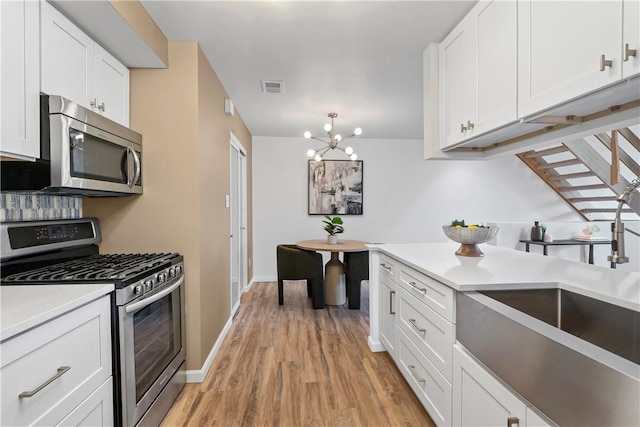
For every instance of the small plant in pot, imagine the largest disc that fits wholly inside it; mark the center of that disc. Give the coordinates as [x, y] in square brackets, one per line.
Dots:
[333, 226]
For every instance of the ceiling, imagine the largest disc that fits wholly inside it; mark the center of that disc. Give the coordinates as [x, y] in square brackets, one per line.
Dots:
[360, 59]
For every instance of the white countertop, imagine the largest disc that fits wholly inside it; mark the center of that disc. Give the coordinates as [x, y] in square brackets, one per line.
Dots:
[504, 268]
[24, 307]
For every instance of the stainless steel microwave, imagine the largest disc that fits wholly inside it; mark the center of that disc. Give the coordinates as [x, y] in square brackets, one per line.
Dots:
[81, 153]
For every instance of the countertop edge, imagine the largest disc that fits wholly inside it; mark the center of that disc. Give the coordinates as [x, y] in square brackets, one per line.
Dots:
[93, 292]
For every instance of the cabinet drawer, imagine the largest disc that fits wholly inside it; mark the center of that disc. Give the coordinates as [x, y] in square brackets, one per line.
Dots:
[429, 332]
[432, 293]
[79, 340]
[388, 267]
[96, 410]
[431, 388]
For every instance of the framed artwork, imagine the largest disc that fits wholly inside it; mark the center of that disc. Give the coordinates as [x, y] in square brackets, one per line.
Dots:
[335, 187]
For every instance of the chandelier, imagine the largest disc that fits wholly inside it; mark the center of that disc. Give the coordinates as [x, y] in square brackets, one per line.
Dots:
[334, 140]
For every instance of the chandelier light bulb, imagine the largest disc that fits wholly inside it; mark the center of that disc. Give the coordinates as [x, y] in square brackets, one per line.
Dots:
[332, 142]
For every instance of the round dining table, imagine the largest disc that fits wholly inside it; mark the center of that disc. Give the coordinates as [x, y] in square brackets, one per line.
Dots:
[335, 291]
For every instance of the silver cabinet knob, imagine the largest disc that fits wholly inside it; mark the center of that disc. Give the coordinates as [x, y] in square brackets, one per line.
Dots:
[629, 52]
[605, 62]
[470, 125]
[463, 128]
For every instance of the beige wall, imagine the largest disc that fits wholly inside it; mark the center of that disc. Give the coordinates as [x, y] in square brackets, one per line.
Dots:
[180, 113]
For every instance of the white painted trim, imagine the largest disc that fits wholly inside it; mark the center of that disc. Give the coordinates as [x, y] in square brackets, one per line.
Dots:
[263, 279]
[375, 346]
[198, 375]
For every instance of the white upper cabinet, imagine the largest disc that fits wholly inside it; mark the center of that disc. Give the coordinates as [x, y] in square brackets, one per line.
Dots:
[497, 64]
[631, 38]
[19, 55]
[76, 67]
[112, 87]
[478, 73]
[566, 49]
[457, 57]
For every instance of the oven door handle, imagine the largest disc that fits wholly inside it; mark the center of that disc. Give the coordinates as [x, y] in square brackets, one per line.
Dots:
[147, 301]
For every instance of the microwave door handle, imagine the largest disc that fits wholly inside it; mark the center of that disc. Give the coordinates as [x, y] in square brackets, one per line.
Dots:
[137, 167]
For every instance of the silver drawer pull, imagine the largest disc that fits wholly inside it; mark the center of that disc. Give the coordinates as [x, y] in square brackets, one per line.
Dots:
[391, 294]
[414, 286]
[385, 266]
[413, 322]
[61, 371]
[412, 369]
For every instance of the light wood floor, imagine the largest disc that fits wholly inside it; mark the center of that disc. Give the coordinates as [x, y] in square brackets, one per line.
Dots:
[291, 365]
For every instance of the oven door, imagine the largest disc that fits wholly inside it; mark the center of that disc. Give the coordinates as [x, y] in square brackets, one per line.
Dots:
[152, 348]
[86, 158]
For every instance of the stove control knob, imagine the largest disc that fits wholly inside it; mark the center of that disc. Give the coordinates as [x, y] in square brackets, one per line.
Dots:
[148, 285]
[162, 277]
[178, 270]
[172, 272]
[137, 290]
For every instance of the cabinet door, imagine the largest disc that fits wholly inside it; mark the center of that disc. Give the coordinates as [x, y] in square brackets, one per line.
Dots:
[112, 87]
[388, 308]
[20, 58]
[496, 38]
[631, 38]
[560, 47]
[67, 56]
[479, 399]
[457, 58]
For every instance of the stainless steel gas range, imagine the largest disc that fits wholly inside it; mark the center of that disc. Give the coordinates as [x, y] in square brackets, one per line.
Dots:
[148, 327]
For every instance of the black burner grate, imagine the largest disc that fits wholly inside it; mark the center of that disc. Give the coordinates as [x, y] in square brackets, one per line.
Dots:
[95, 268]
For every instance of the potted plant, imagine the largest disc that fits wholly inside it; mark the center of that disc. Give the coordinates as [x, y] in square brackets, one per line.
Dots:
[333, 226]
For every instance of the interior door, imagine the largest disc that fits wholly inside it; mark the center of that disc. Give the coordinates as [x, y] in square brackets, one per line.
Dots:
[237, 212]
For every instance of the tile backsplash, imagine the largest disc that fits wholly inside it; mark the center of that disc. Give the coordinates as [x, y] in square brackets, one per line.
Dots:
[35, 207]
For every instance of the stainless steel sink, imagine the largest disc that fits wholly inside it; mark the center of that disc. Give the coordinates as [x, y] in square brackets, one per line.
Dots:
[613, 328]
[575, 358]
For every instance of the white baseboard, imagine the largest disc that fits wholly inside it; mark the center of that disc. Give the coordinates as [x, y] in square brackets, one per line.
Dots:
[198, 375]
[262, 279]
[375, 346]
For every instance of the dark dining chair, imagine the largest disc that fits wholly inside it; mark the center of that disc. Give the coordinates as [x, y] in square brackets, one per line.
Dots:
[300, 264]
[356, 269]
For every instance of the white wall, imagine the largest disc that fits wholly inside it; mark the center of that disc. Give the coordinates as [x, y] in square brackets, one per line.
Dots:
[405, 198]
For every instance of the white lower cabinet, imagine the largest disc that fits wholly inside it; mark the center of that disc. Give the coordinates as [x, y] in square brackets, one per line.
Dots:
[60, 371]
[417, 327]
[388, 304]
[479, 399]
[430, 386]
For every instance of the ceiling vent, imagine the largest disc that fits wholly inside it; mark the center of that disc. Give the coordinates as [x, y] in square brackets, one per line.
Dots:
[272, 86]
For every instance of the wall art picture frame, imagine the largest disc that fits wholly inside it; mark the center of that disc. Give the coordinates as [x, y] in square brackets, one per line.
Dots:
[335, 187]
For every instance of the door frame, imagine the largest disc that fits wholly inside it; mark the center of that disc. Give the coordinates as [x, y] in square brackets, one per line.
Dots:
[235, 144]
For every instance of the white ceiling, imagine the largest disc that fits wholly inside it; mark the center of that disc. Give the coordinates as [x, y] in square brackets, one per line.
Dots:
[360, 59]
